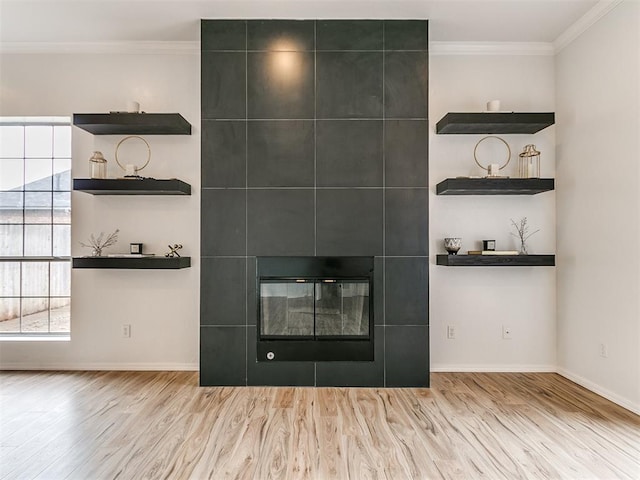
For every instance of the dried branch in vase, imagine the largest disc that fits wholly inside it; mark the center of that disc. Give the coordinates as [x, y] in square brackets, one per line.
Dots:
[523, 234]
[98, 244]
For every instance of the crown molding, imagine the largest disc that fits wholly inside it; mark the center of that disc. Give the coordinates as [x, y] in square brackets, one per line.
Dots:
[491, 48]
[121, 48]
[584, 23]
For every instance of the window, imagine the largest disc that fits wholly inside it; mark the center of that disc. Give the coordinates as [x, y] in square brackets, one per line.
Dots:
[35, 226]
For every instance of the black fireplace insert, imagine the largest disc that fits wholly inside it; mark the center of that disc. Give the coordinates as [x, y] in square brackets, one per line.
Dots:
[315, 308]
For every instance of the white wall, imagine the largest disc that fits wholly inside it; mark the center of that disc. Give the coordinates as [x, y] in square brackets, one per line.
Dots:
[478, 301]
[598, 181]
[161, 306]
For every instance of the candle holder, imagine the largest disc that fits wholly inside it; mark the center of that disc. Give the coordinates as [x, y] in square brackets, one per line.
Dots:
[98, 165]
[529, 162]
[493, 169]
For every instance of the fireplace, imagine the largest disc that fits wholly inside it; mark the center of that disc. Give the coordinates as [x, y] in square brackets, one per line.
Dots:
[315, 309]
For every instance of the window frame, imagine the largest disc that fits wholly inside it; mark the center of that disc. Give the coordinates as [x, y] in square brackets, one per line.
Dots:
[56, 203]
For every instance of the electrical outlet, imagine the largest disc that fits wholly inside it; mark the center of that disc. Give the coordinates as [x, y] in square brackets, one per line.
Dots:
[604, 350]
[506, 333]
[126, 330]
[451, 332]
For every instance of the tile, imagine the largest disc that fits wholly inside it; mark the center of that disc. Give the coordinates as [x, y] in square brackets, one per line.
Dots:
[224, 153]
[280, 35]
[406, 87]
[223, 291]
[280, 222]
[407, 356]
[223, 35]
[349, 85]
[223, 222]
[223, 85]
[407, 291]
[354, 374]
[252, 299]
[298, 374]
[280, 85]
[349, 153]
[406, 221]
[349, 222]
[223, 356]
[280, 153]
[406, 35]
[378, 291]
[406, 154]
[349, 34]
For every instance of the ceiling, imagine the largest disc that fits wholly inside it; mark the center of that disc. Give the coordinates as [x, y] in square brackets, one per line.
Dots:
[53, 21]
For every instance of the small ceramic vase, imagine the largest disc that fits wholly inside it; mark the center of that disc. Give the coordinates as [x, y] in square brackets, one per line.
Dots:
[452, 245]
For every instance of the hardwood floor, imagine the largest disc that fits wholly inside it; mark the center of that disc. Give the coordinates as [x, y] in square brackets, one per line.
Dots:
[136, 425]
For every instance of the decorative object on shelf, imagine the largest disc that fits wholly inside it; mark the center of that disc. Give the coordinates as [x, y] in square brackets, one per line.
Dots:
[133, 106]
[130, 169]
[98, 165]
[493, 170]
[100, 243]
[173, 250]
[488, 245]
[493, 106]
[452, 245]
[523, 234]
[529, 163]
[135, 248]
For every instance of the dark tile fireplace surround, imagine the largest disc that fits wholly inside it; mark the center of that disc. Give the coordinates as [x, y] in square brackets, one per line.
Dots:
[314, 144]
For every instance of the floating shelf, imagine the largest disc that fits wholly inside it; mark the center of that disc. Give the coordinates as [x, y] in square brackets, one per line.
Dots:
[156, 263]
[494, 123]
[132, 123]
[494, 186]
[131, 186]
[496, 260]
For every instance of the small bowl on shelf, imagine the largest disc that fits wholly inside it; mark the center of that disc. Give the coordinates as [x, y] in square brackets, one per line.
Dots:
[452, 245]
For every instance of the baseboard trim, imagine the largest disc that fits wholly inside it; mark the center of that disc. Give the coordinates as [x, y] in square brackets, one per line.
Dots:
[603, 392]
[442, 368]
[189, 367]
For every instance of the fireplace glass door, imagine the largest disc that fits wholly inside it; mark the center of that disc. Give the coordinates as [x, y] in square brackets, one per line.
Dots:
[314, 308]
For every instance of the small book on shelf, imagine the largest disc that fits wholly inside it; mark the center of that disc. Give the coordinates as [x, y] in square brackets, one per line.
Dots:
[493, 252]
[131, 255]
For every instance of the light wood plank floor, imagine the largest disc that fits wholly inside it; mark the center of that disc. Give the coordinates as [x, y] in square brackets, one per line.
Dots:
[136, 425]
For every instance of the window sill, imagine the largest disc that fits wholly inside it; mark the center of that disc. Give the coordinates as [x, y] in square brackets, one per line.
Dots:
[35, 338]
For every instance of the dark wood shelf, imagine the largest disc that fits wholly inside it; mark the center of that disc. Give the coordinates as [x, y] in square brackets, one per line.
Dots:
[494, 186]
[494, 123]
[132, 123]
[496, 260]
[144, 263]
[131, 186]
